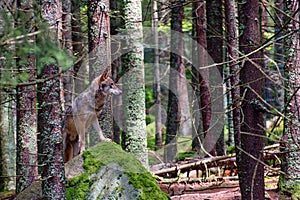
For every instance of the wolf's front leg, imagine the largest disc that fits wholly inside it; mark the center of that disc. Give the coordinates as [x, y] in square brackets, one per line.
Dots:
[96, 126]
[80, 127]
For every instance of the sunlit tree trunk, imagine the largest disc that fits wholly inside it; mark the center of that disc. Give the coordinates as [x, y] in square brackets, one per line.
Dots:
[289, 181]
[50, 144]
[7, 141]
[251, 170]
[134, 134]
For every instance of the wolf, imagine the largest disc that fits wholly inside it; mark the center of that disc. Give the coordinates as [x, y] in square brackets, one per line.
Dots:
[83, 113]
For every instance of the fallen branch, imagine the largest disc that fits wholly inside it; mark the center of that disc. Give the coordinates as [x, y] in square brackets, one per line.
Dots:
[206, 163]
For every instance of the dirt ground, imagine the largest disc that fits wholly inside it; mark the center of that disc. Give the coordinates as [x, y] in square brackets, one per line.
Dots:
[226, 190]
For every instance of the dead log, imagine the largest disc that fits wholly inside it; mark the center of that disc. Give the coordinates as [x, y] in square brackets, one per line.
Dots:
[206, 163]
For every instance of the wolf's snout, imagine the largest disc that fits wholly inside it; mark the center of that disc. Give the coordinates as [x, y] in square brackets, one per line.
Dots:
[115, 91]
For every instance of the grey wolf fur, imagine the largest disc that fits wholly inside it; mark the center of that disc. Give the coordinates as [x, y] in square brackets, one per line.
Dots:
[83, 113]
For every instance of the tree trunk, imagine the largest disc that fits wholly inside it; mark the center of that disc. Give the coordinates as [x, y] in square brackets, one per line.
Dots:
[68, 81]
[157, 92]
[7, 141]
[251, 171]
[116, 66]
[232, 46]
[79, 69]
[26, 164]
[99, 56]
[135, 134]
[215, 49]
[173, 110]
[7, 105]
[197, 120]
[205, 98]
[49, 114]
[289, 181]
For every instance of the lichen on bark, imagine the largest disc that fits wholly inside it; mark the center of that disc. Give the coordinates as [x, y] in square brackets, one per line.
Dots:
[135, 136]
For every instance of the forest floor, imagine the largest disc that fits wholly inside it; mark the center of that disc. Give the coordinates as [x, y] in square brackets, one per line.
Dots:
[221, 190]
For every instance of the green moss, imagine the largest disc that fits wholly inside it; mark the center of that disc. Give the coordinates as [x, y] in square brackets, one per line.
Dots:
[104, 154]
[150, 189]
[78, 186]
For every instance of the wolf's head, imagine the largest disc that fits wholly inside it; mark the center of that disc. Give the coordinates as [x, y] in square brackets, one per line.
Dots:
[107, 85]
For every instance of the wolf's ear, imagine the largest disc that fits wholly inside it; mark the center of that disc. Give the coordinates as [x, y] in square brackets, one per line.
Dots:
[104, 75]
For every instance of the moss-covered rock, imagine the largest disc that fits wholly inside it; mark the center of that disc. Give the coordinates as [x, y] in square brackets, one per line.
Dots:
[111, 173]
[104, 172]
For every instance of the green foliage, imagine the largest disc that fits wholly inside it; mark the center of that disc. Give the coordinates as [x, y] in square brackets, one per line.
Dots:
[16, 44]
[48, 52]
[230, 150]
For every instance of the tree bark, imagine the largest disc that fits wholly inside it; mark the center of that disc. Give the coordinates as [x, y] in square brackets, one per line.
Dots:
[79, 69]
[215, 49]
[135, 135]
[99, 56]
[116, 66]
[49, 114]
[173, 109]
[289, 181]
[232, 46]
[205, 98]
[68, 81]
[26, 160]
[157, 92]
[251, 171]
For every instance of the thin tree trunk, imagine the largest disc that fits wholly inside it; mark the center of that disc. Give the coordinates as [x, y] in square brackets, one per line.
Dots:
[215, 49]
[289, 181]
[251, 171]
[49, 114]
[197, 120]
[116, 66]
[79, 69]
[173, 110]
[68, 80]
[205, 98]
[232, 46]
[157, 93]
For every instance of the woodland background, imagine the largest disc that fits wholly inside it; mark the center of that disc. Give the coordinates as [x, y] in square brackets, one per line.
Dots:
[199, 79]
